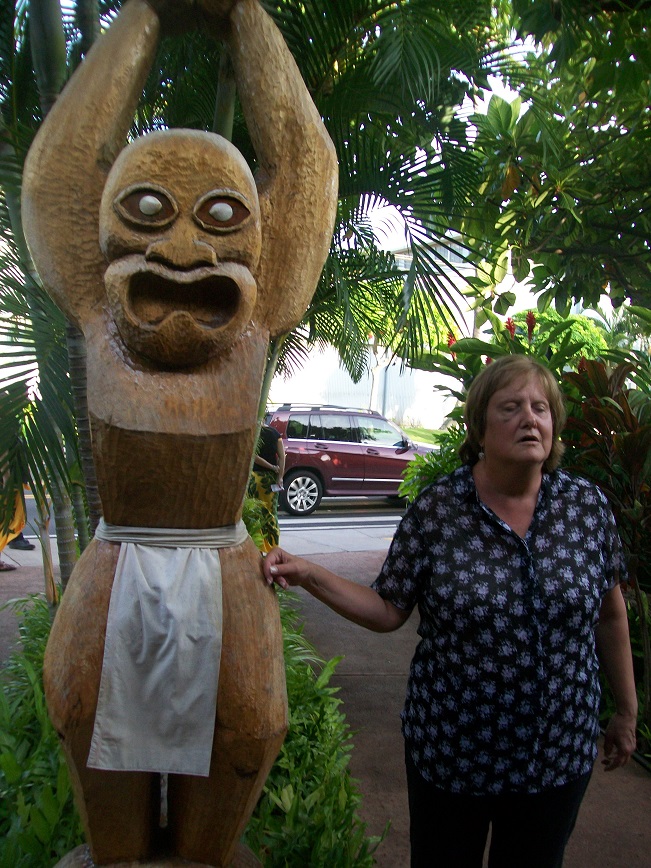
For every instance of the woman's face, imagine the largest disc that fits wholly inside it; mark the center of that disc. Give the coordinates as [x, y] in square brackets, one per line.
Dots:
[519, 425]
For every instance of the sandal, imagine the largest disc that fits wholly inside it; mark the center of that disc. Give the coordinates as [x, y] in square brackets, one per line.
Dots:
[5, 567]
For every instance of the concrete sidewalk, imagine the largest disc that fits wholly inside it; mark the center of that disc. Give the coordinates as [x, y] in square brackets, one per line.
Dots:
[614, 826]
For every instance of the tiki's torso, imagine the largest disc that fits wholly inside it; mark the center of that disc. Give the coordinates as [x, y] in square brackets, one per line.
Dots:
[173, 449]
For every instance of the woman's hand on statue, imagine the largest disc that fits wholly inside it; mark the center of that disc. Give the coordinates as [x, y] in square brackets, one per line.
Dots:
[284, 569]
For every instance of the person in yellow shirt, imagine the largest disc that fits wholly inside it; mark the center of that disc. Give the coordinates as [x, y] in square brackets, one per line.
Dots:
[14, 530]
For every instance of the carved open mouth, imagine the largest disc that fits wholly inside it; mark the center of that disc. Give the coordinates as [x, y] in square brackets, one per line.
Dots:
[212, 300]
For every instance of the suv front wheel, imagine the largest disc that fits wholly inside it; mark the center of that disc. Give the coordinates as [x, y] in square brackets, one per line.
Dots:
[303, 492]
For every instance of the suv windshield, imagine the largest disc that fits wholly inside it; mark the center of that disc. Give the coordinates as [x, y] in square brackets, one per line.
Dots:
[379, 431]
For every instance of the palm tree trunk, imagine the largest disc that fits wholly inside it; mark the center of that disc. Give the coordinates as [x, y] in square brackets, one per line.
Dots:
[81, 522]
[77, 361]
[88, 23]
[272, 361]
[48, 50]
[65, 531]
[225, 100]
[79, 506]
[43, 525]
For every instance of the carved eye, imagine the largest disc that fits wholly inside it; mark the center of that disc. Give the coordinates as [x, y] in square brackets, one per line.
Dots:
[220, 211]
[146, 206]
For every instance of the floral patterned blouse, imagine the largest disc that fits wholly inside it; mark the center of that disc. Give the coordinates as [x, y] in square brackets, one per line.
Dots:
[503, 691]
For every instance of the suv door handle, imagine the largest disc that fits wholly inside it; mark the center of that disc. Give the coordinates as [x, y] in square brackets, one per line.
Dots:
[370, 451]
[321, 446]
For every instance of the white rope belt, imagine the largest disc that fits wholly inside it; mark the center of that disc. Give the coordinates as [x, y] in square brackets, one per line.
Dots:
[157, 700]
[175, 537]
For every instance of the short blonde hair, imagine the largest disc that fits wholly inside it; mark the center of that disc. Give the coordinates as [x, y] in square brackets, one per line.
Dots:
[495, 376]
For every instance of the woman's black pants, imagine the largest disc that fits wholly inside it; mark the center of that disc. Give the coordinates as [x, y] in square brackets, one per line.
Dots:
[528, 830]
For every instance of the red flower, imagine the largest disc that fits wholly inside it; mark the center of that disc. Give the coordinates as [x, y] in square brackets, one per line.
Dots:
[451, 342]
[489, 361]
[531, 322]
[510, 327]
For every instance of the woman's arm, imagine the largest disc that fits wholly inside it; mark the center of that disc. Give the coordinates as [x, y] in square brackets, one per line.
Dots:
[258, 461]
[280, 451]
[357, 603]
[614, 650]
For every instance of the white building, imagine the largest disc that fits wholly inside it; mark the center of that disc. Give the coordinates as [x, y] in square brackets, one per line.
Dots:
[408, 397]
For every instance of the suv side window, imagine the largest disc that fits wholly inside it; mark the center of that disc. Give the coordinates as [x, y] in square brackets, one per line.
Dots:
[315, 432]
[323, 426]
[378, 432]
[297, 426]
[337, 427]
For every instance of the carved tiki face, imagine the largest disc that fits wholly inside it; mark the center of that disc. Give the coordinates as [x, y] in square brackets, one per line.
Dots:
[180, 228]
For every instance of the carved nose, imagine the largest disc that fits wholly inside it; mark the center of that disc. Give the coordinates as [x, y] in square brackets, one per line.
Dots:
[182, 252]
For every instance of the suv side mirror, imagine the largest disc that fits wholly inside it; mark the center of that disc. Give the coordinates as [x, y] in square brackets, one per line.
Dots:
[403, 445]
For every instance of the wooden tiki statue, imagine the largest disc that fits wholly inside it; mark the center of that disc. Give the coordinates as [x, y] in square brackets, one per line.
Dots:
[178, 265]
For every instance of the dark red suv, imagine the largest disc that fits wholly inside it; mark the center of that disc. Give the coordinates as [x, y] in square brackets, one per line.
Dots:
[336, 451]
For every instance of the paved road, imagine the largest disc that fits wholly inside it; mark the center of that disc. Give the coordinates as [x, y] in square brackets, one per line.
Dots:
[340, 524]
[342, 533]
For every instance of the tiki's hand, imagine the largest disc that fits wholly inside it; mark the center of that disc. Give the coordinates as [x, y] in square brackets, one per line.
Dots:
[176, 16]
[179, 16]
[215, 13]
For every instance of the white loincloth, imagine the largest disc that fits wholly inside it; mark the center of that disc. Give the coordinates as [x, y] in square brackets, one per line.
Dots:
[158, 691]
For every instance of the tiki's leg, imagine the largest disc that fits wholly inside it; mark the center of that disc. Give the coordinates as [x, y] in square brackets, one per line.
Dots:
[208, 815]
[118, 809]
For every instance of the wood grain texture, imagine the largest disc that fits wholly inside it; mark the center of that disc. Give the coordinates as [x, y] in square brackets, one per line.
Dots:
[178, 265]
[206, 815]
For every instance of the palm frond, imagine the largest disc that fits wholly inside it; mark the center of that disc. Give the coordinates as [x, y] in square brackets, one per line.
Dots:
[36, 412]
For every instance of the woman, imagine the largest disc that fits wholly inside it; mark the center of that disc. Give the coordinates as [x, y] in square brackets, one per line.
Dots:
[267, 480]
[514, 566]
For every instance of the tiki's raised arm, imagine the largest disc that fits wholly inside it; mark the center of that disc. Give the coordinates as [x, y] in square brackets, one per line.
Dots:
[70, 158]
[297, 178]
[79, 141]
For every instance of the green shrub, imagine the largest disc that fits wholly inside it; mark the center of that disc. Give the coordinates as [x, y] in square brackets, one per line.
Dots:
[425, 469]
[254, 516]
[38, 822]
[609, 435]
[307, 814]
